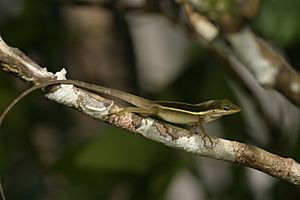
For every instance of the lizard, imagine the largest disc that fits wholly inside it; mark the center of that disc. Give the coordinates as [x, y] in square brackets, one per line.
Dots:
[170, 111]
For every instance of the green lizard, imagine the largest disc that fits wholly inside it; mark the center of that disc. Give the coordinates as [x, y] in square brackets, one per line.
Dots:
[170, 111]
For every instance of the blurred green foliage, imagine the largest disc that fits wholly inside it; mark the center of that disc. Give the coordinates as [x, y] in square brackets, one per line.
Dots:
[118, 159]
[278, 21]
[101, 155]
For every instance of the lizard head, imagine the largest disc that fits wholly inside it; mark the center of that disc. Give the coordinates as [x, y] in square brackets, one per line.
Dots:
[215, 109]
[222, 107]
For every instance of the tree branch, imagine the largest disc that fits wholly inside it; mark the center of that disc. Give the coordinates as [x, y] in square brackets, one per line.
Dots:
[15, 62]
[235, 41]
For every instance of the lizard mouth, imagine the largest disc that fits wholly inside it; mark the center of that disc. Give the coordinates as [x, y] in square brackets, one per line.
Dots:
[234, 111]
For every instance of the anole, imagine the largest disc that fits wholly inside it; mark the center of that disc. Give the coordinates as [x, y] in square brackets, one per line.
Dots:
[170, 111]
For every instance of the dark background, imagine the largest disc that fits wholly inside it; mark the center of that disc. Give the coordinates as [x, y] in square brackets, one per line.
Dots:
[51, 152]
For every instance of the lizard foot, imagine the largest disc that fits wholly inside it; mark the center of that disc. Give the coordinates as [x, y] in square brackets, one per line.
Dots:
[205, 137]
[213, 141]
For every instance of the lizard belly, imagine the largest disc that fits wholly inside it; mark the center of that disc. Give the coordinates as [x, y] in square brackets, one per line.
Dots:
[178, 117]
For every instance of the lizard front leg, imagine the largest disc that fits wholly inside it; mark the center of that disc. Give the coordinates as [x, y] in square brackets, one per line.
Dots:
[199, 128]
